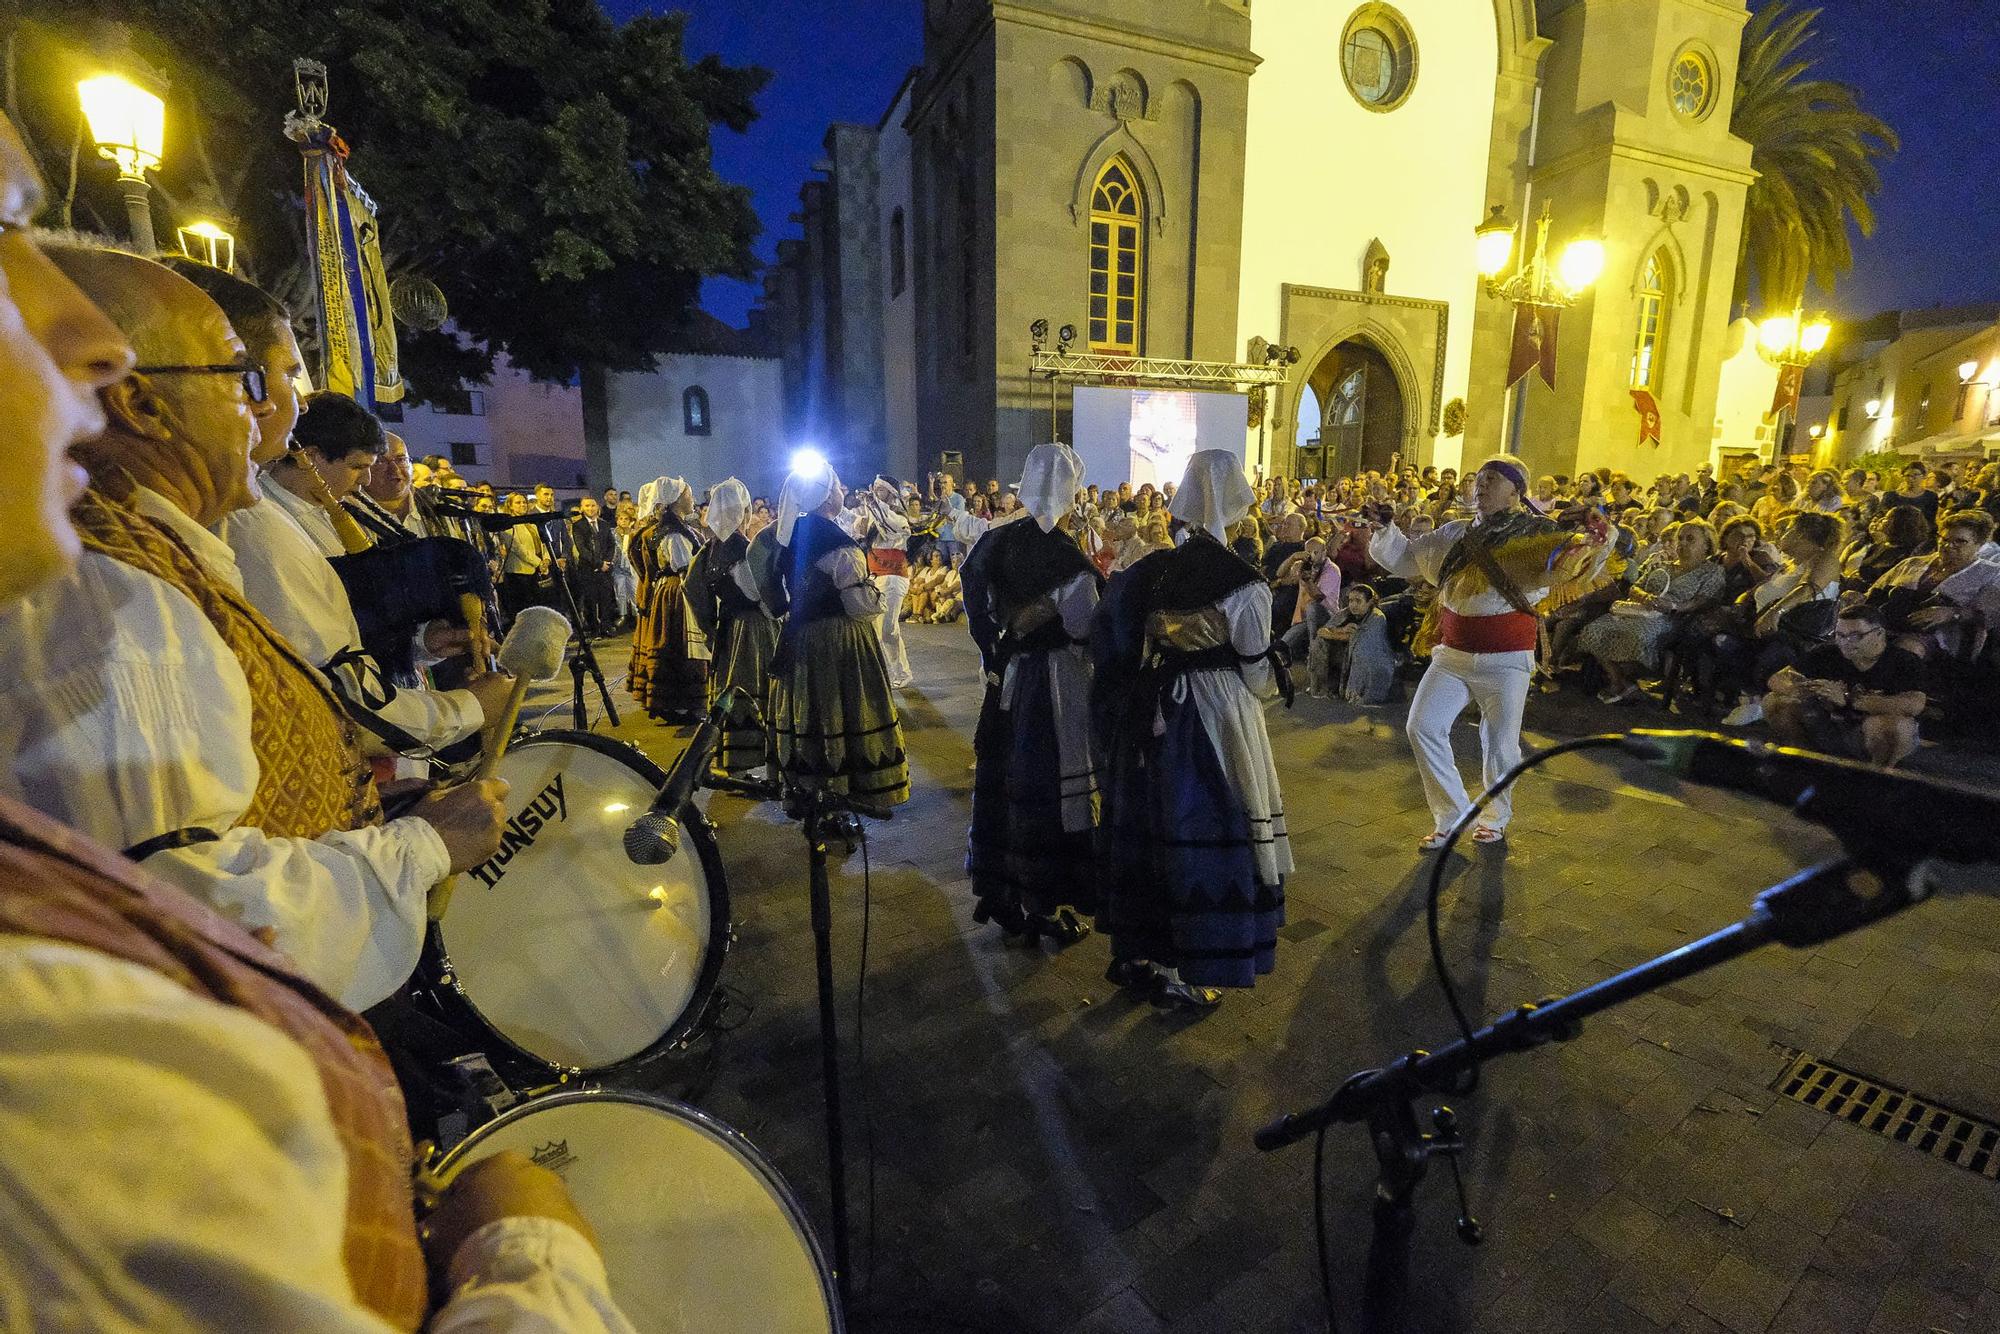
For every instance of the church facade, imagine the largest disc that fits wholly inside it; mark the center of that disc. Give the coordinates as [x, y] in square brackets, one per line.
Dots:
[1205, 178]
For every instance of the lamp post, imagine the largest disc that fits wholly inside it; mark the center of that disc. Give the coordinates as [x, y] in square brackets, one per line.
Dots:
[1534, 284]
[1790, 342]
[128, 125]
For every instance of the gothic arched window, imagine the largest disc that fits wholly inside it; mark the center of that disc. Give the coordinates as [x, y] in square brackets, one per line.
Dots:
[1117, 259]
[1656, 297]
[694, 411]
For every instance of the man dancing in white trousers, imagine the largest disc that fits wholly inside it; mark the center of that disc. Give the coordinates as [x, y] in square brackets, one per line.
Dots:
[1491, 573]
[889, 563]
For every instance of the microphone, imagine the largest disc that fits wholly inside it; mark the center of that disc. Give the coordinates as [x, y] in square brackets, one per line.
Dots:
[656, 835]
[1858, 802]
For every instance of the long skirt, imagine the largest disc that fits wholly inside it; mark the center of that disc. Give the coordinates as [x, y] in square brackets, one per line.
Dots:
[1195, 852]
[833, 720]
[744, 650]
[669, 674]
[1034, 793]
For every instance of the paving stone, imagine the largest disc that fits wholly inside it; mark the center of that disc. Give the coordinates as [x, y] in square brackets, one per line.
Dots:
[1052, 1157]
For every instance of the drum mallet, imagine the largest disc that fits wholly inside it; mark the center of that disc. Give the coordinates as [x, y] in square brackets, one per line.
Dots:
[532, 651]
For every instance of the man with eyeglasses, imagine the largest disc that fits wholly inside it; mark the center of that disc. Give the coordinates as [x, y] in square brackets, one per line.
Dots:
[1858, 698]
[145, 702]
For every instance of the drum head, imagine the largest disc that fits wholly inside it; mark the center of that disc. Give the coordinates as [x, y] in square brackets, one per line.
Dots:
[699, 1233]
[559, 942]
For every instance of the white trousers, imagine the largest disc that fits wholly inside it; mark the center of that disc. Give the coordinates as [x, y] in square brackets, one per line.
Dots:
[1498, 684]
[889, 627]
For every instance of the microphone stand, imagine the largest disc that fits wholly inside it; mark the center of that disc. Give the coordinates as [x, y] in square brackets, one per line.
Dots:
[824, 814]
[1863, 886]
[582, 658]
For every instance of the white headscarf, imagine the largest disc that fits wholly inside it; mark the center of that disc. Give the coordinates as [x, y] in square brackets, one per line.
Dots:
[728, 502]
[649, 496]
[1214, 493]
[803, 493]
[1050, 480]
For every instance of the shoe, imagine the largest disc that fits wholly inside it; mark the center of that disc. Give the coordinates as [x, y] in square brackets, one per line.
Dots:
[1488, 834]
[1173, 994]
[1625, 696]
[1132, 975]
[1013, 923]
[1748, 712]
[1063, 926]
[1432, 841]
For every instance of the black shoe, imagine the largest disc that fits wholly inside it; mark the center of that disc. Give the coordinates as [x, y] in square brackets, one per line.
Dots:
[1014, 923]
[1062, 926]
[1182, 995]
[1135, 975]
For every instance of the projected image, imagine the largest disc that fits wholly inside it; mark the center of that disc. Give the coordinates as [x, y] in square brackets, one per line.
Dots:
[1163, 435]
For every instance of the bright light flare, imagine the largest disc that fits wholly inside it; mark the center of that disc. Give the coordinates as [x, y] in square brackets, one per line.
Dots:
[1582, 262]
[127, 123]
[808, 462]
[1777, 333]
[1815, 336]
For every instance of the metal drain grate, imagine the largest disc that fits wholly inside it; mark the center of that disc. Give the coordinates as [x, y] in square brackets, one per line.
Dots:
[1892, 1113]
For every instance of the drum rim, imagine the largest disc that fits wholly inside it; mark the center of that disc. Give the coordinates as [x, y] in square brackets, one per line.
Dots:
[766, 1170]
[696, 829]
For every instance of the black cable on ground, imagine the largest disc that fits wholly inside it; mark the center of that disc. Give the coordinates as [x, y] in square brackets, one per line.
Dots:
[1599, 741]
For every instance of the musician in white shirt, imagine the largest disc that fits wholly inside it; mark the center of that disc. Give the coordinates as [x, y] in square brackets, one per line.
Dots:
[168, 1161]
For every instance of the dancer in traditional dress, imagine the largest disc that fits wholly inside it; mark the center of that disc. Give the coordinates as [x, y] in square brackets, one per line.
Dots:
[833, 719]
[1030, 595]
[1195, 853]
[1491, 573]
[669, 671]
[887, 535]
[724, 599]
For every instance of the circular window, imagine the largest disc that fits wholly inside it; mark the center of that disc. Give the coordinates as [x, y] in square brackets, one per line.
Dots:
[1378, 57]
[1691, 84]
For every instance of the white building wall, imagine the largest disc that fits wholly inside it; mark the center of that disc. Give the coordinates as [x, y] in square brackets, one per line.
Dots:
[1323, 175]
[746, 423]
[1743, 392]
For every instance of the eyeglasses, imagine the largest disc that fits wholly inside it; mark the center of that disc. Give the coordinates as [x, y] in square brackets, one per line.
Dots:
[255, 386]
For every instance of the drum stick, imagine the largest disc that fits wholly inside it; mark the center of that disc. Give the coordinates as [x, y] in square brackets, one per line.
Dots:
[533, 651]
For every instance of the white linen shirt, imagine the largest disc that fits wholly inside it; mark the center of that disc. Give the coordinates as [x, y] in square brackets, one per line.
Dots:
[286, 577]
[168, 1164]
[124, 715]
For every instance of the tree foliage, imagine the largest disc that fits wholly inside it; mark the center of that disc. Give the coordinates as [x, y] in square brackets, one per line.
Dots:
[1817, 155]
[547, 168]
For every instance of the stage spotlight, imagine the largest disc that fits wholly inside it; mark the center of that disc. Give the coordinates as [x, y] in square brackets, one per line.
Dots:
[1066, 334]
[808, 462]
[1038, 330]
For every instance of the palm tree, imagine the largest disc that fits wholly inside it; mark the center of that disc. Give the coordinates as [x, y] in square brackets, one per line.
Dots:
[1816, 153]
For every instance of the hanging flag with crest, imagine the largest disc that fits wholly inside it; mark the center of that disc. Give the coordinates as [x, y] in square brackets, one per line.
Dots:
[357, 334]
[1648, 409]
[1791, 380]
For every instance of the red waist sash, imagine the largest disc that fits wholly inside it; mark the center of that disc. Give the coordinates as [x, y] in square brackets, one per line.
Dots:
[888, 561]
[1509, 632]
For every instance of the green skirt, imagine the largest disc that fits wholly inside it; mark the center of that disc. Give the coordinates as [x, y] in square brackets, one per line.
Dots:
[833, 719]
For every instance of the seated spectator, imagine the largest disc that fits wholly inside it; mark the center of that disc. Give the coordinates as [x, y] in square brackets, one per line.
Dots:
[1633, 636]
[1896, 535]
[1944, 605]
[1786, 616]
[1914, 494]
[948, 602]
[1317, 581]
[1781, 497]
[1858, 697]
[1145, 538]
[1359, 637]
[918, 601]
[1823, 494]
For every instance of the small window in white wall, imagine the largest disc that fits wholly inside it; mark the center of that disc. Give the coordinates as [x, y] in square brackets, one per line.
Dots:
[694, 411]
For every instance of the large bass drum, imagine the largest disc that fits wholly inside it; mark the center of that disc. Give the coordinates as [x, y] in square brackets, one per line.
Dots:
[700, 1234]
[562, 947]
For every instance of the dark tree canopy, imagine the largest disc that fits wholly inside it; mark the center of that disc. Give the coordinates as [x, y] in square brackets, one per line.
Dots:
[545, 167]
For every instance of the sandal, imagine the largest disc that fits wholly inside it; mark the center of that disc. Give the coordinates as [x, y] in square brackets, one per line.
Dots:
[1488, 834]
[1432, 841]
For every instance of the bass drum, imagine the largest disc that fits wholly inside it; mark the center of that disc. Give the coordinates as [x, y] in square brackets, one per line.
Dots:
[700, 1234]
[561, 946]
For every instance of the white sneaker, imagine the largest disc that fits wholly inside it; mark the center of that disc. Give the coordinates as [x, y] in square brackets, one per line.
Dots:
[1748, 712]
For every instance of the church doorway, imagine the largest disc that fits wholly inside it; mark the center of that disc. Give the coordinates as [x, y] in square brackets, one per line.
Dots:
[1360, 407]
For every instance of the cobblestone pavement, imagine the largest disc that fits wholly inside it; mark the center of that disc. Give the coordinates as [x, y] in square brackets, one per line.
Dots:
[1049, 1156]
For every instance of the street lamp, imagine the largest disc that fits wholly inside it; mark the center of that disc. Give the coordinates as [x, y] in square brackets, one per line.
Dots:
[210, 244]
[1790, 342]
[1966, 384]
[128, 124]
[1536, 288]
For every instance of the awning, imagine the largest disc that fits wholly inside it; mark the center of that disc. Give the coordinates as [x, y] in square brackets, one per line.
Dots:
[1978, 443]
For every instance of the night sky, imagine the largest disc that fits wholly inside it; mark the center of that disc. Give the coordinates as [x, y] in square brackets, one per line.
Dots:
[1931, 68]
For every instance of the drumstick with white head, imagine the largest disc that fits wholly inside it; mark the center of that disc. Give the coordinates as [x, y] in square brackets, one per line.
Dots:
[532, 651]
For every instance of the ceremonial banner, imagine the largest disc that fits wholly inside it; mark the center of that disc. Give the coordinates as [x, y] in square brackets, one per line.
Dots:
[357, 333]
[1648, 409]
[1534, 343]
[1791, 379]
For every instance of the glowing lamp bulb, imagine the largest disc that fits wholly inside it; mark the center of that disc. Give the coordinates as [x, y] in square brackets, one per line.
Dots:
[1581, 262]
[1493, 242]
[1815, 335]
[127, 123]
[808, 462]
[1777, 333]
[1966, 370]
